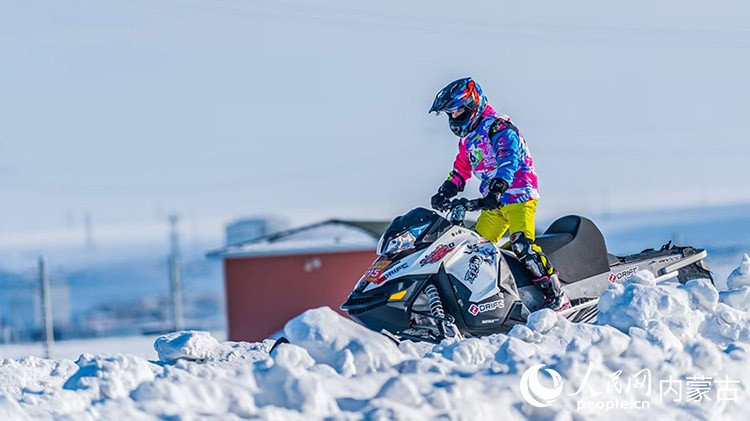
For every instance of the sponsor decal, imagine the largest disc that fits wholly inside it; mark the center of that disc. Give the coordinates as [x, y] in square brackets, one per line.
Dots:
[394, 271]
[437, 254]
[670, 259]
[488, 253]
[475, 309]
[473, 272]
[488, 321]
[373, 274]
[622, 275]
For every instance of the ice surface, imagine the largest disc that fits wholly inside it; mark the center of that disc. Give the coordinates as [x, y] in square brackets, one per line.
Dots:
[335, 368]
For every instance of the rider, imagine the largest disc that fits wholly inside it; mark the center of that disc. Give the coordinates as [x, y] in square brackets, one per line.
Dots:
[491, 147]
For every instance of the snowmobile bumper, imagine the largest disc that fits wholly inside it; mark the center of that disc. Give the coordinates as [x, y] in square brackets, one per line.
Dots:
[386, 307]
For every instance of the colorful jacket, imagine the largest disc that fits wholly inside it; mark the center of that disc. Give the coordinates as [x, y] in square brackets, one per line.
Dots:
[496, 149]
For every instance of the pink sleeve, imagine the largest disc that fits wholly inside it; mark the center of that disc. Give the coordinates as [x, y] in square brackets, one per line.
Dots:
[461, 167]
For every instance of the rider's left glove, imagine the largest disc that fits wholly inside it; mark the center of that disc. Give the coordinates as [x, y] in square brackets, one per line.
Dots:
[498, 185]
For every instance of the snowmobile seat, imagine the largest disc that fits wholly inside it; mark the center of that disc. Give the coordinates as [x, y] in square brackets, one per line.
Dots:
[576, 248]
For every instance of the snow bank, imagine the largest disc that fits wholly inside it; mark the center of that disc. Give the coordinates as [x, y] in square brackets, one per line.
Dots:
[335, 368]
[741, 276]
[189, 345]
[109, 376]
[341, 343]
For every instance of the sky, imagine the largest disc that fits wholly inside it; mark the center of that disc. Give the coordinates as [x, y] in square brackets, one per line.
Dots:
[217, 109]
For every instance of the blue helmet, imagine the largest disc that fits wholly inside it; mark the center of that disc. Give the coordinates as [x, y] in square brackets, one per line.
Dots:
[462, 93]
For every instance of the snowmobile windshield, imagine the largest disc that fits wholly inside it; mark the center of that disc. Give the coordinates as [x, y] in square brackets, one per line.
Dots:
[411, 232]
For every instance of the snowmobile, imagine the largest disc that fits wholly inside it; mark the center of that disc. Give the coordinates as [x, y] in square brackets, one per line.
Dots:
[434, 278]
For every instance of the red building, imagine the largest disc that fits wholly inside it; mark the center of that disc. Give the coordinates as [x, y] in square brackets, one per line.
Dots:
[273, 279]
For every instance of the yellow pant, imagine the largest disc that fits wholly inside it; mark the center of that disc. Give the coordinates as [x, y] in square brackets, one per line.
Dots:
[519, 217]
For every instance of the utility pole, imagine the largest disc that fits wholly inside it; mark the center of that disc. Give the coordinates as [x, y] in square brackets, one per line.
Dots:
[49, 337]
[88, 230]
[174, 274]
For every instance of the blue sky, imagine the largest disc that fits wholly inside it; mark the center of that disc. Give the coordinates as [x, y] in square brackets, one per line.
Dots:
[217, 109]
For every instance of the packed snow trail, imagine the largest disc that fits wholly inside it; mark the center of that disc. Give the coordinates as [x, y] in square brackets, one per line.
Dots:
[648, 339]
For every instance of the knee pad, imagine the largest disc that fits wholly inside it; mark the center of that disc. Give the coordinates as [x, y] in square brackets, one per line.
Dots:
[520, 245]
[530, 254]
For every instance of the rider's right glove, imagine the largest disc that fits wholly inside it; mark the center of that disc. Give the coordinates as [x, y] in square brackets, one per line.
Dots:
[441, 200]
[490, 202]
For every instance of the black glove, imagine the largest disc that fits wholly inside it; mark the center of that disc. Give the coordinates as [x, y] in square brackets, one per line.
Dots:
[441, 200]
[497, 187]
[490, 202]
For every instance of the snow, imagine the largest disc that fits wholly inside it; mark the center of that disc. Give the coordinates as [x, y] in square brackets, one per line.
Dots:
[341, 343]
[187, 345]
[109, 376]
[740, 276]
[335, 368]
[326, 237]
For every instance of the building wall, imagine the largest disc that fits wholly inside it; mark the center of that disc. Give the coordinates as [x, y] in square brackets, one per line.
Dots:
[264, 292]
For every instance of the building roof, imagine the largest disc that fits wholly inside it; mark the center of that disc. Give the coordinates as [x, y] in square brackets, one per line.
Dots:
[328, 236]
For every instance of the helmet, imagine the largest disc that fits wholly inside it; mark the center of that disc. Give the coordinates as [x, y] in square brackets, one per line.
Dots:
[462, 93]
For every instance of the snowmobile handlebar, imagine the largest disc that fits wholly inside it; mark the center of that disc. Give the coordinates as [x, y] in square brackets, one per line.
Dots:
[459, 207]
[468, 205]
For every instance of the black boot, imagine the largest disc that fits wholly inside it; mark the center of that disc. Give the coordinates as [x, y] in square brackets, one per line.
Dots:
[545, 277]
[554, 298]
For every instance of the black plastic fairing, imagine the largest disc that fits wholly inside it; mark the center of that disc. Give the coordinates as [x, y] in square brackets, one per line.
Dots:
[481, 318]
[415, 218]
[374, 310]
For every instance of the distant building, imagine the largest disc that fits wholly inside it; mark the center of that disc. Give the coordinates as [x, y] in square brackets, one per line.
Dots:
[271, 279]
[248, 229]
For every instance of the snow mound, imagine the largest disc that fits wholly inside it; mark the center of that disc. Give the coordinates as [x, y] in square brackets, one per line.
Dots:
[293, 381]
[109, 376]
[11, 410]
[341, 343]
[194, 389]
[736, 298]
[740, 276]
[190, 345]
[671, 314]
[632, 304]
